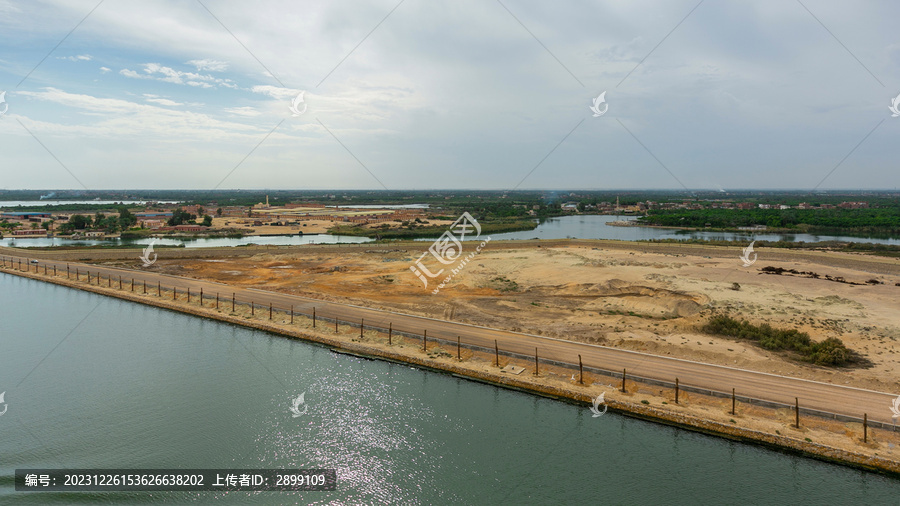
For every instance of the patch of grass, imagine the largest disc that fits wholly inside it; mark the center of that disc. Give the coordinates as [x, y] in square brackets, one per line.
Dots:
[645, 402]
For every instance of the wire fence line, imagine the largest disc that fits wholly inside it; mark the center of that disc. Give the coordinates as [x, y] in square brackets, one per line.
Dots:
[220, 301]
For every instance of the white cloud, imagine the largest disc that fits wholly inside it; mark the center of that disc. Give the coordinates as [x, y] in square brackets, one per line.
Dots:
[158, 72]
[275, 91]
[105, 69]
[209, 64]
[161, 101]
[243, 111]
[80, 57]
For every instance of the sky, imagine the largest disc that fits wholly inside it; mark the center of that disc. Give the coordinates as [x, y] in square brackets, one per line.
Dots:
[414, 94]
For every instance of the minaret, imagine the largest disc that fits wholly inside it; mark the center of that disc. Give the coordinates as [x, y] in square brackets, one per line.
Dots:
[267, 201]
[617, 204]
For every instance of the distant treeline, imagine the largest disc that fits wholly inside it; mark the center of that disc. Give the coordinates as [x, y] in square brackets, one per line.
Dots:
[416, 231]
[884, 220]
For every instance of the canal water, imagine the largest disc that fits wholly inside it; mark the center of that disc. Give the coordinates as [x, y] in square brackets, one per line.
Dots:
[96, 382]
[565, 227]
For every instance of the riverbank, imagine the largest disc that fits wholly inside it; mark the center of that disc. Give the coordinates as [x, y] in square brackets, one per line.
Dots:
[819, 438]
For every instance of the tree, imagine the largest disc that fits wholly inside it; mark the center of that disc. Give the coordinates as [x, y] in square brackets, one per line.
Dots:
[80, 222]
[179, 217]
[126, 219]
[207, 221]
[219, 212]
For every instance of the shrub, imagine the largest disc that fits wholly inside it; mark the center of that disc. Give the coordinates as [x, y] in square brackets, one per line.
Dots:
[828, 352]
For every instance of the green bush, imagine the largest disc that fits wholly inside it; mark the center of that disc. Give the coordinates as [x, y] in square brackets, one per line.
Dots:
[831, 351]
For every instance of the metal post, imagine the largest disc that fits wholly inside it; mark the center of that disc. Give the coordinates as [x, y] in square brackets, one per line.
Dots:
[109, 281]
[797, 412]
[335, 325]
[535, 361]
[189, 295]
[76, 274]
[158, 289]
[425, 340]
[217, 300]
[496, 354]
[676, 390]
[120, 282]
[865, 427]
[580, 371]
[314, 317]
[67, 271]
[270, 311]
[292, 314]
[732, 401]
[145, 287]
[623, 381]
[361, 323]
[174, 292]
[232, 302]
[252, 308]
[201, 296]
[457, 348]
[54, 270]
[132, 284]
[390, 332]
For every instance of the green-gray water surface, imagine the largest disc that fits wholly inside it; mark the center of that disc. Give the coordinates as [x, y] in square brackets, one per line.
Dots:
[96, 382]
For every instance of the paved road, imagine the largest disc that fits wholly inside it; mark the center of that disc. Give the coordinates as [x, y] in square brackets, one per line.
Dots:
[812, 395]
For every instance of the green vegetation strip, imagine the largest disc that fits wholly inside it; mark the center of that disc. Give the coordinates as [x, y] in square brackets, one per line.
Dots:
[830, 352]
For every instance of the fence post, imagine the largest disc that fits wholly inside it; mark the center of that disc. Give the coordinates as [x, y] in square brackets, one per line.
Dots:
[132, 284]
[232, 302]
[67, 271]
[189, 295]
[120, 282]
[201, 296]
[145, 287]
[159, 289]
[425, 340]
[362, 322]
[732, 401]
[314, 316]
[252, 308]
[457, 348]
[270, 311]
[174, 292]
[496, 354]
[535, 361]
[676, 390]
[623, 381]
[390, 332]
[217, 300]
[335, 325]
[580, 371]
[865, 427]
[292, 314]
[797, 412]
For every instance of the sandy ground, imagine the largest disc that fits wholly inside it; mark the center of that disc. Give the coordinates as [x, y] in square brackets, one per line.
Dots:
[650, 301]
